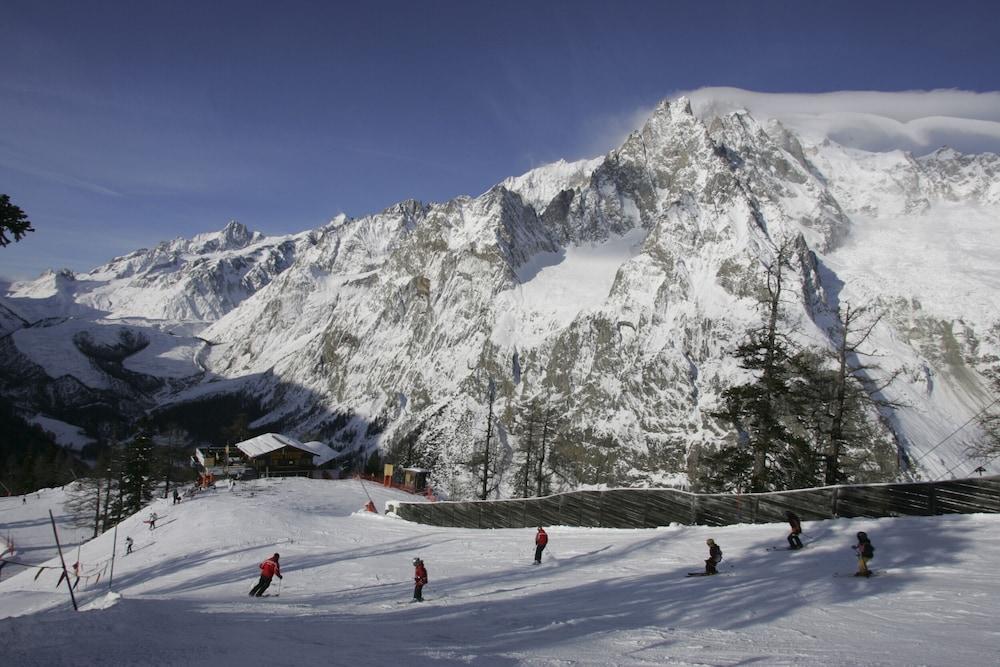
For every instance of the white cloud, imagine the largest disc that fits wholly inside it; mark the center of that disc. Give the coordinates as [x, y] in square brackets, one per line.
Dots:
[917, 120]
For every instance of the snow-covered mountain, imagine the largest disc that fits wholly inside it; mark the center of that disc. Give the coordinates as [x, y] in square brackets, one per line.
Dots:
[618, 285]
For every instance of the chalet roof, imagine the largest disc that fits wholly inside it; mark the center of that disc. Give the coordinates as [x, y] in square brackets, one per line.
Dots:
[268, 442]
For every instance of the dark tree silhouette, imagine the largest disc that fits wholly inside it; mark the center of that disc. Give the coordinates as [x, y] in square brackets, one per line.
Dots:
[12, 221]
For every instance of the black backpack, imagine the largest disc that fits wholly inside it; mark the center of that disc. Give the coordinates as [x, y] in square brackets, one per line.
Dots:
[867, 550]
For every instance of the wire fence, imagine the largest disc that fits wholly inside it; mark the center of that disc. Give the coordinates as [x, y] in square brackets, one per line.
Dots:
[649, 508]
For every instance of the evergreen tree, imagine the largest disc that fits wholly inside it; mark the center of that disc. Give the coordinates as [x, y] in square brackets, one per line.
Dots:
[373, 465]
[238, 430]
[763, 411]
[174, 448]
[137, 473]
[13, 221]
[29, 457]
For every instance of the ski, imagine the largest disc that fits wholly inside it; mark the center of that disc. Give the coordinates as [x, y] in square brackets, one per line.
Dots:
[846, 575]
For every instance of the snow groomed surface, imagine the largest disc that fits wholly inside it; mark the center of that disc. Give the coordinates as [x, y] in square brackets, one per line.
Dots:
[601, 596]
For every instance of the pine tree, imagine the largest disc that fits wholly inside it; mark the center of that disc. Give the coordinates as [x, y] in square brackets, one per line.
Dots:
[12, 220]
[763, 410]
[137, 480]
[176, 442]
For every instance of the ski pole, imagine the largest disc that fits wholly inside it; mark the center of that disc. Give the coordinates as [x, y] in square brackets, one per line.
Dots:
[279, 586]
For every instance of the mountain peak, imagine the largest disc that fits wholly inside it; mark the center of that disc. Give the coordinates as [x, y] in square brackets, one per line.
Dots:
[680, 106]
[233, 236]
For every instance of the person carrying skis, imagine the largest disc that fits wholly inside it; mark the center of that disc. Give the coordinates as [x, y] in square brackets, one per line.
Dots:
[152, 520]
[268, 570]
[714, 556]
[865, 552]
[419, 579]
[793, 537]
[128, 545]
[541, 539]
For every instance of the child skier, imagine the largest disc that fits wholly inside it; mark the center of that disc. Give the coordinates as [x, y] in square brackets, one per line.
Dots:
[865, 552]
[128, 545]
[419, 579]
[793, 538]
[152, 520]
[541, 539]
[268, 569]
[714, 556]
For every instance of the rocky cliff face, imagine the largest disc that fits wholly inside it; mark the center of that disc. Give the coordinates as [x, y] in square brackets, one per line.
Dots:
[614, 289]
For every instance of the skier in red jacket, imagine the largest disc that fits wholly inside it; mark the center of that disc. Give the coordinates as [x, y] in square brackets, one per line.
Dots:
[541, 539]
[268, 569]
[419, 579]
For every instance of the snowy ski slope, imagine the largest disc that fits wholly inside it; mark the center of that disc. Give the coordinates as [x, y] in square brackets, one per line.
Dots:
[601, 597]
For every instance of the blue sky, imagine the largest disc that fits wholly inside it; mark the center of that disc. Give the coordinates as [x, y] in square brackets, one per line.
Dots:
[124, 123]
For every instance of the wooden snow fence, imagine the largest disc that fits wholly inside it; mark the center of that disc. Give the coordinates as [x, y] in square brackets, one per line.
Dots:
[649, 508]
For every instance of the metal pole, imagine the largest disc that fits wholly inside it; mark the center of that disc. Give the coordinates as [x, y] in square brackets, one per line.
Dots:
[361, 479]
[114, 550]
[63, 560]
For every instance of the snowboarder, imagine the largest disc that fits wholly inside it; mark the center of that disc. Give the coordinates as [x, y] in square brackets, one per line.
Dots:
[152, 520]
[793, 537]
[268, 570]
[128, 545]
[541, 539]
[177, 497]
[865, 552]
[714, 556]
[419, 579]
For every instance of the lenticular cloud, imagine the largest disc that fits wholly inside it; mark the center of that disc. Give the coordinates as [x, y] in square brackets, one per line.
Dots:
[916, 121]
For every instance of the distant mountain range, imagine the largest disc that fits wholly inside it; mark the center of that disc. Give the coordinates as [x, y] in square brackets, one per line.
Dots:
[613, 289]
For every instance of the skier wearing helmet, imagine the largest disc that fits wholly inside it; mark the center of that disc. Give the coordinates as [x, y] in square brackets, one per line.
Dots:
[714, 556]
[865, 552]
[419, 579]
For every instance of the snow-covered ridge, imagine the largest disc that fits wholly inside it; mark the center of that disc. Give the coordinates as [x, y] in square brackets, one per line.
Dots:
[539, 186]
[620, 283]
[180, 280]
